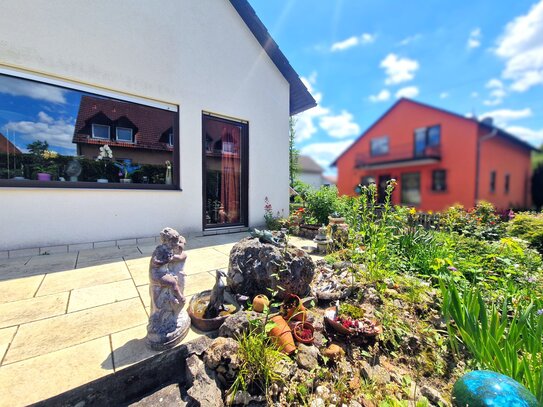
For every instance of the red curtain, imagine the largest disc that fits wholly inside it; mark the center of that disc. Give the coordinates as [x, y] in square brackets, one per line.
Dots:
[231, 172]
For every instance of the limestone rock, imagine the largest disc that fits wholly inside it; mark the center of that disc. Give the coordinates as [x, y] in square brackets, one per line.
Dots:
[433, 396]
[333, 352]
[331, 285]
[203, 388]
[198, 345]
[377, 374]
[307, 357]
[222, 356]
[256, 267]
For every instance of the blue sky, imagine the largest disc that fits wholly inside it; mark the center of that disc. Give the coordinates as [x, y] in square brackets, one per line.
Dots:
[358, 56]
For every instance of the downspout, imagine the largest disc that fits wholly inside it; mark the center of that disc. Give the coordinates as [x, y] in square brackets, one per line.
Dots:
[487, 136]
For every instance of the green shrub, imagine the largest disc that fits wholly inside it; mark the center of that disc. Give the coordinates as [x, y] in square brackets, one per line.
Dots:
[528, 226]
[481, 222]
[322, 202]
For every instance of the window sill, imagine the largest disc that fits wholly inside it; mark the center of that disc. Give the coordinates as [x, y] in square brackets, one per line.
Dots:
[86, 185]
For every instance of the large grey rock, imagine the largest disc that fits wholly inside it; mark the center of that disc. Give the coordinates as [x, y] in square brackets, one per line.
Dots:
[222, 356]
[257, 267]
[238, 323]
[204, 391]
[198, 345]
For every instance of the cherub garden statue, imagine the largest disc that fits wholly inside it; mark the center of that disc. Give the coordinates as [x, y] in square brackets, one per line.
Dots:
[168, 323]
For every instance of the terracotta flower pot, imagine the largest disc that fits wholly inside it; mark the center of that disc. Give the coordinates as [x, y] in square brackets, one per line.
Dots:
[303, 332]
[282, 335]
[293, 309]
[260, 302]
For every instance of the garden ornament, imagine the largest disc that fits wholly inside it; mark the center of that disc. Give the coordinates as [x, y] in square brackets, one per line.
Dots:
[168, 323]
[265, 236]
[126, 167]
[216, 300]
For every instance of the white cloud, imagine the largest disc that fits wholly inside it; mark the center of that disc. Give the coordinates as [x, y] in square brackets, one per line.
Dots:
[497, 92]
[408, 92]
[336, 125]
[33, 90]
[502, 116]
[57, 132]
[382, 96]
[444, 95]
[534, 137]
[325, 153]
[474, 39]
[409, 40]
[521, 46]
[305, 125]
[352, 42]
[340, 126]
[398, 70]
[474, 95]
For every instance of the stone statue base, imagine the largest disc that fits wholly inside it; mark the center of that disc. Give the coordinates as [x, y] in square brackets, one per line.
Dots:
[164, 341]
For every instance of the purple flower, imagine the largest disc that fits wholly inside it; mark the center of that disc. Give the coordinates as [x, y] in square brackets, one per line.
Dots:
[452, 268]
[531, 279]
[539, 311]
[511, 214]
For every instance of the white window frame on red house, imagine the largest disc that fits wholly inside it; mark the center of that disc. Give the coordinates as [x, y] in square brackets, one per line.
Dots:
[98, 126]
[123, 140]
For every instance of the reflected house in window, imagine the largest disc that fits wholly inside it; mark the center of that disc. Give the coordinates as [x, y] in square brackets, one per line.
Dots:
[438, 158]
[140, 133]
[7, 147]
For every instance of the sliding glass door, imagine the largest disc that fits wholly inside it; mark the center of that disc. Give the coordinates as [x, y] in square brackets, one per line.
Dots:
[225, 175]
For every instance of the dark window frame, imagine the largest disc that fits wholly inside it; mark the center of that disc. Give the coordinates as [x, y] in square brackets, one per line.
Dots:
[244, 204]
[402, 189]
[176, 179]
[507, 184]
[372, 153]
[434, 180]
[492, 186]
[426, 139]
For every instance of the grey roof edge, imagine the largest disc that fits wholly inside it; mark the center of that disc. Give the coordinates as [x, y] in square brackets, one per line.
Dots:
[300, 98]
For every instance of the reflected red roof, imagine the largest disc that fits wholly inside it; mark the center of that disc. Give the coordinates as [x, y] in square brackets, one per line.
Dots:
[150, 125]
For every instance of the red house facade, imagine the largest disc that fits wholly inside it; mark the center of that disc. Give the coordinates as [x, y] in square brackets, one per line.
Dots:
[439, 159]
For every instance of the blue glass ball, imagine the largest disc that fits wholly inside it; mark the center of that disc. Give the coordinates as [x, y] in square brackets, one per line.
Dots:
[484, 388]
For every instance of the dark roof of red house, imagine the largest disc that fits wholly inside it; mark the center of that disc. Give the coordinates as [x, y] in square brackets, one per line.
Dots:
[7, 146]
[483, 125]
[150, 125]
[300, 98]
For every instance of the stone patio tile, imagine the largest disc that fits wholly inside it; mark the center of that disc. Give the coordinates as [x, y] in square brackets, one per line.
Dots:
[49, 335]
[84, 277]
[148, 249]
[139, 269]
[224, 248]
[6, 335]
[112, 252]
[45, 376]
[101, 294]
[19, 288]
[129, 347]
[105, 243]
[143, 291]
[127, 243]
[207, 259]
[195, 283]
[65, 259]
[11, 267]
[79, 246]
[54, 249]
[32, 309]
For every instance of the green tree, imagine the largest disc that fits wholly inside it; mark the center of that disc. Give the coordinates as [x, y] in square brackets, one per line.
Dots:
[293, 153]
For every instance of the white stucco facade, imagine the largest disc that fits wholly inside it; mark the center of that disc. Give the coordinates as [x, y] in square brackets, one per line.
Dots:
[311, 178]
[198, 55]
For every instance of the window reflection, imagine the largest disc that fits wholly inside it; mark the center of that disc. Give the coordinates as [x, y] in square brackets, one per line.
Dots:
[48, 133]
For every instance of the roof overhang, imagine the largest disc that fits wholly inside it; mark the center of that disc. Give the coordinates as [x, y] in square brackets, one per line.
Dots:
[300, 98]
[399, 163]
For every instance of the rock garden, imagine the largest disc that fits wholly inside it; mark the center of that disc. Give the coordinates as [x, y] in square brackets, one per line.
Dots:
[394, 311]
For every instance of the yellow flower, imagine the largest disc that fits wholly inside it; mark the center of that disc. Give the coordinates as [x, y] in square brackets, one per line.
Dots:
[430, 212]
[412, 211]
[48, 154]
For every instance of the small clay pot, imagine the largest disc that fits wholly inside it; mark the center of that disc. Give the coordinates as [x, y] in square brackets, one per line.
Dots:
[282, 335]
[297, 327]
[260, 302]
[297, 312]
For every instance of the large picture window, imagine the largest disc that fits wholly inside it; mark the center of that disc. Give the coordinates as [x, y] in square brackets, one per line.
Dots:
[379, 146]
[52, 136]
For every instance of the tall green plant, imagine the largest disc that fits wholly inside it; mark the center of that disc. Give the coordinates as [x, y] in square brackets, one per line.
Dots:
[506, 339]
[293, 152]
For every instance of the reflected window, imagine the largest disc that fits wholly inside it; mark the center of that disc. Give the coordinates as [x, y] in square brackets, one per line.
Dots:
[100, 131]
[60, 135]
[124, 134]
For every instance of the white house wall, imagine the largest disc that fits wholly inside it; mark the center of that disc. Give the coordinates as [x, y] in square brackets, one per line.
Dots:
[315, 180]
[197, 54]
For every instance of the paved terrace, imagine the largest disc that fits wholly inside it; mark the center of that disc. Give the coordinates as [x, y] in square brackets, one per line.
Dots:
[67, 319]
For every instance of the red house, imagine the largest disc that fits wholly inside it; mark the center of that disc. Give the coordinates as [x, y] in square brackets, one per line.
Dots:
[439, 158]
